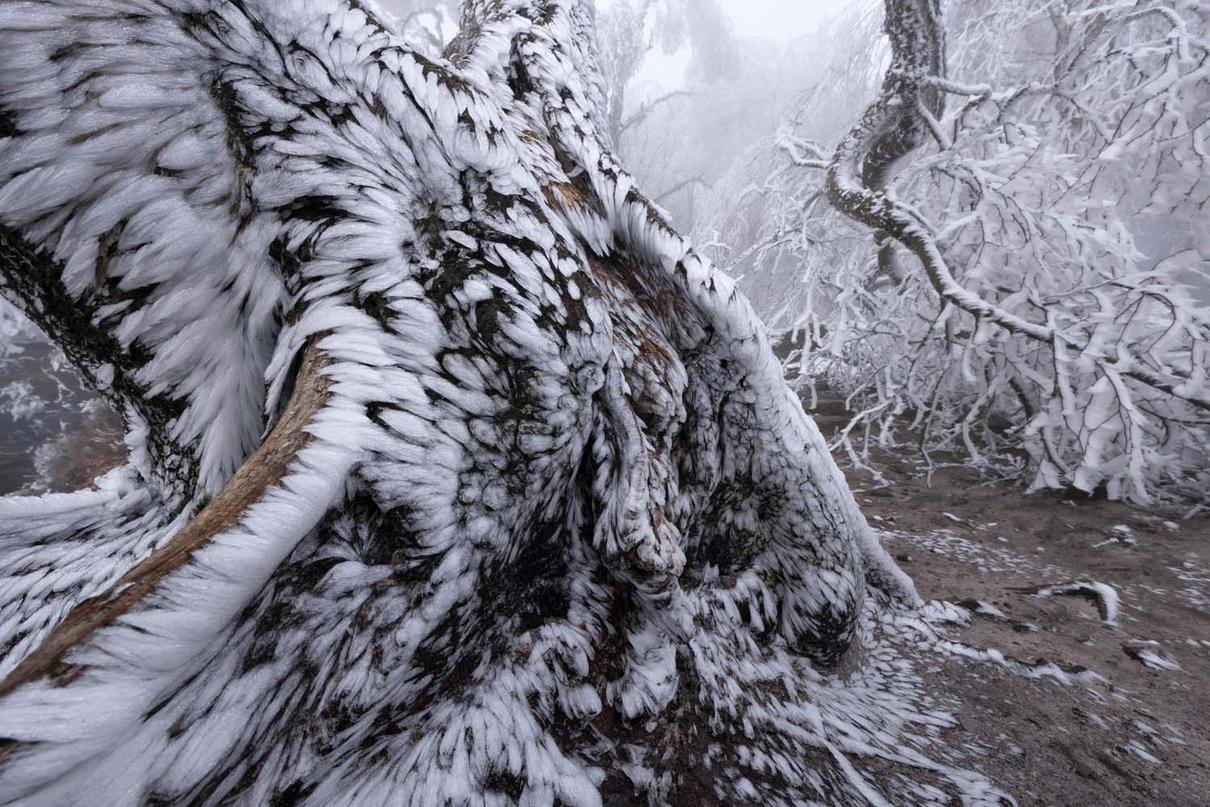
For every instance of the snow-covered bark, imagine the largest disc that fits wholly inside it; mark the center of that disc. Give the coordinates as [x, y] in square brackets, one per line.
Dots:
[456, 476]
[1055, 212]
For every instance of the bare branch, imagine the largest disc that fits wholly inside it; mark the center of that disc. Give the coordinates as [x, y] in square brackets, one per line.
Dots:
[645, 111]
[680, 186]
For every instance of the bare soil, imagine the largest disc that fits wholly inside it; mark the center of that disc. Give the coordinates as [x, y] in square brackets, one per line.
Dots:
[1119, 731]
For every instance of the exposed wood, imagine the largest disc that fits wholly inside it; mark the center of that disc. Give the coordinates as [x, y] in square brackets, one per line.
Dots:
[262, 471]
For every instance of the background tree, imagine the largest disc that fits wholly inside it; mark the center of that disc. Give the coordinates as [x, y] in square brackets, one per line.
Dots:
[631, 30]
[1054, 210]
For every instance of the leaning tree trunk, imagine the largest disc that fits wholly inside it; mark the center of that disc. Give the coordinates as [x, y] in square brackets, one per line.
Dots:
[455, 475]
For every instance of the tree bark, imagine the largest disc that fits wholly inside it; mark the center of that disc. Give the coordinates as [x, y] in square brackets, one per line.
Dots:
[455, 470]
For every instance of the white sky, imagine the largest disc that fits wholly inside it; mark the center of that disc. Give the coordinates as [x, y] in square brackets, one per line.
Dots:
[775, 19]
[778, 19]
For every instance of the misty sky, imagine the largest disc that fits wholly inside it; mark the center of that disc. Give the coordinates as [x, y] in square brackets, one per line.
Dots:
[778, 19]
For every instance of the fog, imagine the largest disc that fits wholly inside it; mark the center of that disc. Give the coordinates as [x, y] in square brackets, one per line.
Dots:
[582, 418]
[726, 112]
[773, 19]
[779, 20]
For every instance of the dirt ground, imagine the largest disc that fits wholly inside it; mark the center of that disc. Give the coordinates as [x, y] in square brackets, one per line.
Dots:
[1080, 711]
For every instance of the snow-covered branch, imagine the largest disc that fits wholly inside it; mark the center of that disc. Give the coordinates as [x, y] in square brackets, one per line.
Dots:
[1054, 210]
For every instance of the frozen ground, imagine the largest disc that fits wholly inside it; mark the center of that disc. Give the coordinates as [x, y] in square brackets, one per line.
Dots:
[1059, 698]
[53, 433]
[1080, 710]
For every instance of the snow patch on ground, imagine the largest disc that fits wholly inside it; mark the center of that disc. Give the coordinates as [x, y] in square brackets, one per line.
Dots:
[1148, 654]
[1105, 595]
[928, 629]
[1195, 577]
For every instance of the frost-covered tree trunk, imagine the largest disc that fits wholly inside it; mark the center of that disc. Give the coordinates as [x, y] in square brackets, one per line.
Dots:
[456, 476]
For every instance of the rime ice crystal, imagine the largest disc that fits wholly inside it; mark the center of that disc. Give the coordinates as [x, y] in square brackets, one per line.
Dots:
[543, 508]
